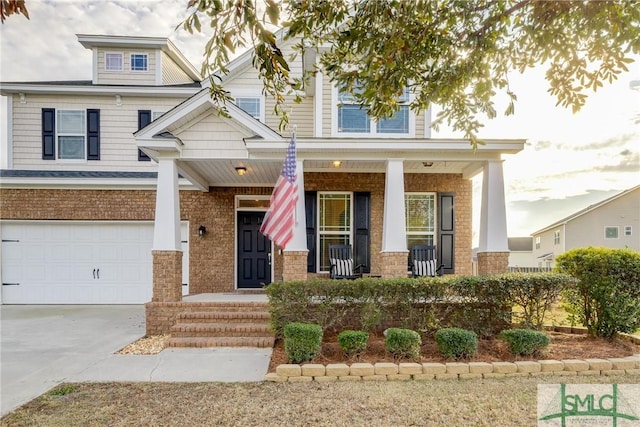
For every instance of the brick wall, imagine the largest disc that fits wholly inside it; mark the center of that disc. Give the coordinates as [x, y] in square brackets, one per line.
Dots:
[211, 257]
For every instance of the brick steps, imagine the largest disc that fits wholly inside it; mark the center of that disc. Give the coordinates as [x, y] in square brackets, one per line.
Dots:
[223, 324]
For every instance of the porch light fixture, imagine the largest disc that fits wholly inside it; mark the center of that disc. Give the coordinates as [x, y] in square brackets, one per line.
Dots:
[427, 164]
[337, 163]
[241, 170]
[202, 230]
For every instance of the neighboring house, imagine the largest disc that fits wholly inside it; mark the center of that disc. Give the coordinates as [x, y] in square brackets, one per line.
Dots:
[130, 186]
[613, 223]
[520, 253]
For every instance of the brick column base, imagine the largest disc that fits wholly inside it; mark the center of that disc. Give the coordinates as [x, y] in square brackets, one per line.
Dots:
[394, 264]
[493, 262]
[167, 276]
[294, 265]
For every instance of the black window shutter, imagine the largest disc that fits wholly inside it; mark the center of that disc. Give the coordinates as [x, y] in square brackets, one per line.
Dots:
[48, 134]
[93, 134]
[310, 207]
[144, 118]
[446, 231]
[362, 224]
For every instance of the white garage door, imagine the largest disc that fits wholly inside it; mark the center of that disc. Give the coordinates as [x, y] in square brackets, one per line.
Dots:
[66, 262]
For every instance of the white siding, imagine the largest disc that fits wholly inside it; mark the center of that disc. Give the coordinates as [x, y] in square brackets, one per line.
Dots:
[172, 74]
[118, 151]
[126, 76]
[212, 136]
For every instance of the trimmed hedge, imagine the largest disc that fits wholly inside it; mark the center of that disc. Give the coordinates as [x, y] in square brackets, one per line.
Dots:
[353, 342]
[525, 342]
[402, 342]
[479, 303]
[302, 341]
[456, 343]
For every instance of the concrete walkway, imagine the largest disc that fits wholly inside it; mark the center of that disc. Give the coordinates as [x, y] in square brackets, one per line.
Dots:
[43, 346]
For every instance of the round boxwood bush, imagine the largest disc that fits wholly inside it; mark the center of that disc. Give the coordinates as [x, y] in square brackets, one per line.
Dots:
[402, 342]
[302, 341]
[456, 343]
[353, 342]
[525, 342]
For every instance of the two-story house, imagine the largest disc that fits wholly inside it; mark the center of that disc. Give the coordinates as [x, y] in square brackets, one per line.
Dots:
[131, 186]
[612, 223]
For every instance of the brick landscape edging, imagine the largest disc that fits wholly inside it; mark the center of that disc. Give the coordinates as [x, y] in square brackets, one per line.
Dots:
[385, 371]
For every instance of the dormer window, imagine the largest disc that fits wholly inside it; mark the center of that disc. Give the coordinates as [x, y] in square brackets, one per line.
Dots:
[113, 61]
[352, 119]
[139, 62]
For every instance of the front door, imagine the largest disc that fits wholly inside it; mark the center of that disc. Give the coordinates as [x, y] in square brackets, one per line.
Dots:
[254, 252]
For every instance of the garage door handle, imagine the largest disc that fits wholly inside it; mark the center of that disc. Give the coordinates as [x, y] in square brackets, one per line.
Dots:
[94, 273]
[11, 284]
[98, 273]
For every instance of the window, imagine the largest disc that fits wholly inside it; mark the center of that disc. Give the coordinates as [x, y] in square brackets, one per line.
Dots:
[251, 105]
[353, 118]
[113, 61]
[556, 237]
[334, 223]
[627, 230]
[420, 218]
[611, 232]
[138, 62]
[71, 134]
[537, 242]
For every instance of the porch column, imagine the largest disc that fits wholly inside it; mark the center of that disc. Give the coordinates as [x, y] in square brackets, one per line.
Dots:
[493, 250]
[294, 257]
[167, 249]
[394, 233]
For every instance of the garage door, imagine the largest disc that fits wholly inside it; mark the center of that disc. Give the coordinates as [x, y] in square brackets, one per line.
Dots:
[77, 262]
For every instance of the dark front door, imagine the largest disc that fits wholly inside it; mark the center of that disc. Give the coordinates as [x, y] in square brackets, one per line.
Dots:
[254, 252]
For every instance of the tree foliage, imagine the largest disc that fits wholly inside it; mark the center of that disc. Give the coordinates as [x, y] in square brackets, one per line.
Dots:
[453, 53]
[9, 7]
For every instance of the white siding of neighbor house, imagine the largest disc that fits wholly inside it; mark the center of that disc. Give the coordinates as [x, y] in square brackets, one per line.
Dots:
[213, 136]
[588, 229]
[172, 74]
[522, 259]
[118, 150]
[126, 76]
[547, 246]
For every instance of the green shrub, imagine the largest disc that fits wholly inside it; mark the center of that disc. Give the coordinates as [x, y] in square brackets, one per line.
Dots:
[353, 342]
[302, 341]
[534, 294]
[402, 342]
[606, 297]
[525, 342]
[456, 343]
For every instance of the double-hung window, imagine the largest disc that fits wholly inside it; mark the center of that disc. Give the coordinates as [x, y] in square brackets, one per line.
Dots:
[71, 134]
[556, 237]
[334, 223]
[420, 218]
[139, 62]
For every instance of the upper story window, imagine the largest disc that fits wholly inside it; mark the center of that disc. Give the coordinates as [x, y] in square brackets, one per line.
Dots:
[537, 242]
[113, 61]
[627, 230]
[556, 237]
[251, 105]
[352, 118]
[139, 62]
[71, 134]
[611, 232]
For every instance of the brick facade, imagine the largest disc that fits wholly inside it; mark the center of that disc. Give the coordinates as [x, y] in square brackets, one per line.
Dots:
[294, 265]
[393, 264]
[212, 257]
[167, 276]
[493, 262]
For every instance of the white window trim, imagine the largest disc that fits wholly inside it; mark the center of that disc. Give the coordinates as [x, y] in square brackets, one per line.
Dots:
[374, 130]
[628, 228]
[107, 69]
[329, 233]
[252, 94]
[435, 214]
[556, 237]
[537, 242]
[611, 226]
[58, 134]
[131, 62]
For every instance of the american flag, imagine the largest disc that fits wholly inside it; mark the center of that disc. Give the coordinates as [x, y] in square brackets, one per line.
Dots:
[279, 220]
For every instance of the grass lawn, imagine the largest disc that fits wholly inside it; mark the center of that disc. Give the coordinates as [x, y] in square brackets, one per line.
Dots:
[491, 402]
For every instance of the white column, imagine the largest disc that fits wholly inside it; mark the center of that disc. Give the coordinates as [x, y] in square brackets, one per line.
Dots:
[299, 241]
[394, 232]
[493, 216]
[166, 231]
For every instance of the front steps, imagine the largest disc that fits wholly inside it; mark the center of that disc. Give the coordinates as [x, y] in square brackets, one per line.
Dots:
[223, 324]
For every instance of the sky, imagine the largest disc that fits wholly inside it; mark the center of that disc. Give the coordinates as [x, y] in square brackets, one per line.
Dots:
[569, 162]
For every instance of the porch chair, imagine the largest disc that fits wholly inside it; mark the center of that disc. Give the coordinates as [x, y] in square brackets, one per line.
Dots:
[425, 262]
[341, 263]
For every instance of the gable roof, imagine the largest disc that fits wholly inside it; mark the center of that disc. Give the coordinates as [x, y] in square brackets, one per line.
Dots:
[586, 210]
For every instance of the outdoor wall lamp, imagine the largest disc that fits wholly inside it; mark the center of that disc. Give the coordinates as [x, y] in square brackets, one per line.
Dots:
[336, 163]
[241, 170]
[427, 164]
[202, 230]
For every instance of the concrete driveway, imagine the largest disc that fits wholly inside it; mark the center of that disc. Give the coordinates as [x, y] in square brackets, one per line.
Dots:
[43, 346]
